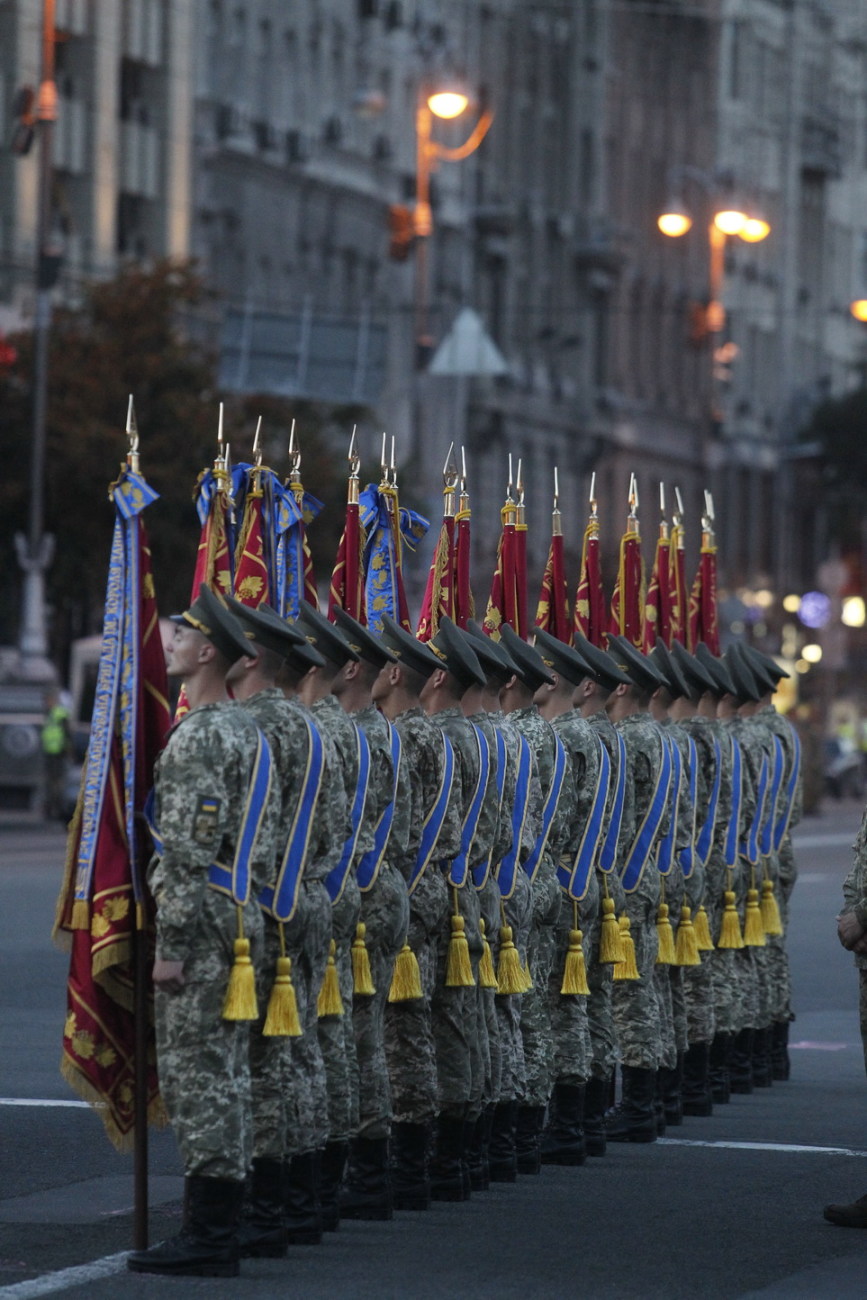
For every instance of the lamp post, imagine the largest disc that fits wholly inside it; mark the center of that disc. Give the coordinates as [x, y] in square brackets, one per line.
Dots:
[445, 103]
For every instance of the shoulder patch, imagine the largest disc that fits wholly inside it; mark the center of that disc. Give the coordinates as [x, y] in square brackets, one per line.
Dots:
[205, 820]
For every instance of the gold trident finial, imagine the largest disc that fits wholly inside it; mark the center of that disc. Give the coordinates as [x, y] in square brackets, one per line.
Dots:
[132, 433]
[633, 503]
[354, 469]
[450, 483]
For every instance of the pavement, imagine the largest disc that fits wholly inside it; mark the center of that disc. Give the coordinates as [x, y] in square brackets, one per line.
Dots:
[728, 1206]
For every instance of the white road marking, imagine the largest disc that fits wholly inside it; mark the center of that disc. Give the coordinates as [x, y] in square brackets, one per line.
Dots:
[32, 1101]
[761, 1146]
[79, 1275]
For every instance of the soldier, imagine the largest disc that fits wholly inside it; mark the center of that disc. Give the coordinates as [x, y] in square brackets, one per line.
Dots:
[382, 928]
[459, 1025]
[427, 828]
[335, 1023]
[212, 783]
[636, 1006]
[300, 781]
[563, 1140]
[552, 764]
[591, 699]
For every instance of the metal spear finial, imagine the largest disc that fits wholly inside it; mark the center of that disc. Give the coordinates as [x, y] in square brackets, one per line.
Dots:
[679, 499]
[257, 444]
[593, 514]
[519, 484]
[662, 499]
[450, 469]
[353, 456]
[132, 434]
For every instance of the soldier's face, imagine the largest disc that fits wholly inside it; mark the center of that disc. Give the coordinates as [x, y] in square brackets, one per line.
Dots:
[183, 654]
[381, 684]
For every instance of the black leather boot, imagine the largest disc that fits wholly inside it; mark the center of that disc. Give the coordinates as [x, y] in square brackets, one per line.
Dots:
[671, 1082]
[741, 1062]
[528, 1139]
[563, 1138]
[720, 1083]
[332, 1165]
[780, 1063]
[207, 1245]
[410, 1187]
[595, 1105]
[477, 1151]
[763, 1074]
[697, 1098]
[263, 1230]
[447, 1181]
[366, 1193]
[301, 1200]
[634, 1118]
[502, 1155]
[659, 1105]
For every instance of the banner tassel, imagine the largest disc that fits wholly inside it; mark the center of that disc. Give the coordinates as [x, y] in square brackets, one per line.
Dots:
[702, 930]
[282, 1020]
[329, 1002]
[666, 955]
[610, 944]
[772, 922]
[686, 945]
[626, 969]
[362, 980]
[754, 934]
[240, 1001]
[730, 931]
[575, 969]
[487, 974]
[406, 980]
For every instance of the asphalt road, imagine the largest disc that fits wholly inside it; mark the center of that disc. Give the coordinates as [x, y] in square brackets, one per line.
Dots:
[728, 1206]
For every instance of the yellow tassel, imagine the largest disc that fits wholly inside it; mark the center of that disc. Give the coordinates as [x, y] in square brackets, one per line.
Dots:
[362, 980]
[487, 974]
[406, 980]
[526, 976]
[329, 1003]
[686, 946]
[730, 931]
[575, 970]
[702, 930]
[240, 1000]
[610, 945]
[282, 1019]
[626, 969]
[459, 972]
[666, 955]
[510, 978]
[772, 922]
[754, 934]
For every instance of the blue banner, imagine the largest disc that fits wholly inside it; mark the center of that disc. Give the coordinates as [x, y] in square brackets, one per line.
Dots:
[380, 561]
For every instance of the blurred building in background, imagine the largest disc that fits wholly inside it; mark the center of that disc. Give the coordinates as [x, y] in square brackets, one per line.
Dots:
[278, 142]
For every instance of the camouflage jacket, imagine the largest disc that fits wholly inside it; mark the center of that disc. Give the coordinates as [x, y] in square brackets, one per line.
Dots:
[421, 760]
[533, 819]
[380, 788]
[643, 741]
[460, 732]
[201, 781]
[780, 726]
[855, 886]
[332, 719]
[607, 733]
[333, 824]
[542, 739]
[505, 807]
[582, 744]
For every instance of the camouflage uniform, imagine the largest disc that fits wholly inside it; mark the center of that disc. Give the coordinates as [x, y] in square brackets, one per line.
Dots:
[490, 902]
[855, 900]
[669, 979]
[385, 913]
[569, 1017]
[698, 984]
[722, 960]
[785, 869]
[201, 781]
[409, 1043]
[636, 1006]
[536, 1032]
[749, 990]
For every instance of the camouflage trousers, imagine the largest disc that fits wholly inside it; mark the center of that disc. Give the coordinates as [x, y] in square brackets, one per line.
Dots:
[569, 1012]
[862, 1010]
[518, 912]
[636, 1005]
[336, 1037]
[385, 913]
[488, 1027]
[698, 990]
[600, 1009]
[203, 1060]
[747, 1009]
[667, 1033]
[409, 1041]
[454, 1013]
[724, 981]
[536, 1033]
[307, 937]
[780, 979]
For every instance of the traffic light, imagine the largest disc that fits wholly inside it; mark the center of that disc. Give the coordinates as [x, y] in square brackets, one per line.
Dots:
[401, 229]
[23, 131]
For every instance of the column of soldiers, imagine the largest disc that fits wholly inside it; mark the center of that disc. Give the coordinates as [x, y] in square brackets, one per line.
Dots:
[431, 915]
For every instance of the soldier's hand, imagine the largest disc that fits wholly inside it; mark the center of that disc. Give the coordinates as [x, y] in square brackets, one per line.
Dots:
[849, 930]
[168, 976]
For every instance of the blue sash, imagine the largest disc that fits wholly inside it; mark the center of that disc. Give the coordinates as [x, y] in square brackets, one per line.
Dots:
[459, 867]
[576, 878]
[665, 855]
[642, 845]
[505, 873]
[687, 855]
[783, 820]
[734, 829]
[766, 836]
[750, 846]
[705, 837]
[234, 880]
[433, 823]
[280, 899]
[482, 869]
[335, 881]
[531, 865]
[608, 853]
[368, 868]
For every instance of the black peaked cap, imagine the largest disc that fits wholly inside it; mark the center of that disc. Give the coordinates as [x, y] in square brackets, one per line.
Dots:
[531, 668]
[605, 670]
[562, 658]
[770, 668]
[494, 658]
[327, 639]
[456, 654]
[640, 670]
[663, 660]
[746, 686]
[717, 669]
[698, 679]
[210, 615]
[265, 626]
[407, 649]
[364, 643]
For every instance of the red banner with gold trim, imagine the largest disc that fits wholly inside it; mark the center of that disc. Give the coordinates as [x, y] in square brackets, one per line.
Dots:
[589, 597]
[552, 611]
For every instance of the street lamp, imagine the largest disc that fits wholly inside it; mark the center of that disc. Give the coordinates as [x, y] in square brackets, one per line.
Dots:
[447, 103]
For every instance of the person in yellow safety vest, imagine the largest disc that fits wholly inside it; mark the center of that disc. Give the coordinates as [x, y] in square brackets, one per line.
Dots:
[55, 751]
